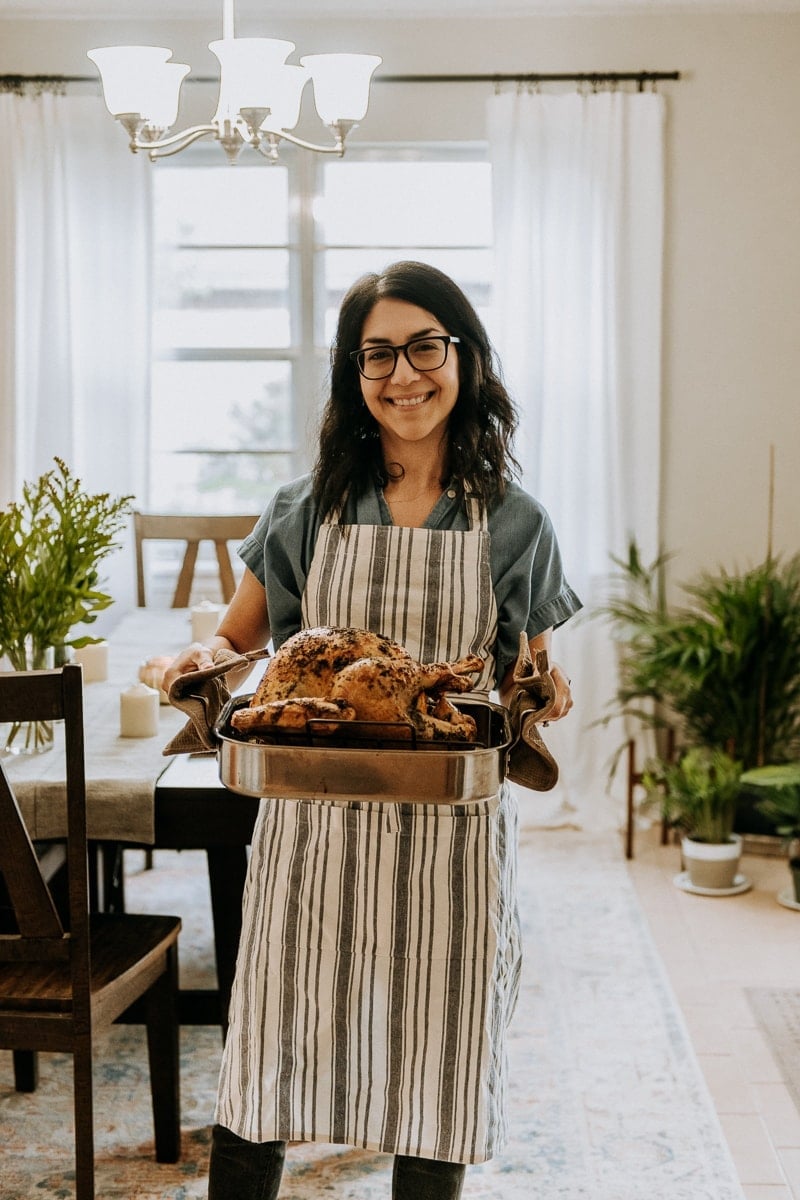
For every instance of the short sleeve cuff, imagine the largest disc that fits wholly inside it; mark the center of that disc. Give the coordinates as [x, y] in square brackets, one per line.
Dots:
[554, 612]
[251, 552]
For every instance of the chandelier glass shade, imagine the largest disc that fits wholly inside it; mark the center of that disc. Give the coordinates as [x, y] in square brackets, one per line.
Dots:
[259, 94]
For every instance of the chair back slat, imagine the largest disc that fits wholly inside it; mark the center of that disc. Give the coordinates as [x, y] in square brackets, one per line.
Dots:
[191, 528]
[34, 911]
[20, 703]
[14, 949]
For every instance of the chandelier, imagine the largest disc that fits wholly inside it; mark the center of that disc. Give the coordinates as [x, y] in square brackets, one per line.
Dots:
[259, 94]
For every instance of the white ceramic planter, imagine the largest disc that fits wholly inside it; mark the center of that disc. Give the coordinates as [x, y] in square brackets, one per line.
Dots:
[712, 865]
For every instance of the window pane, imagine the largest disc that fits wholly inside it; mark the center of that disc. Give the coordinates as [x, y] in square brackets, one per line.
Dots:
[221, 405]
[406, 204]
[220, 206]
[235, 299]
[216, 483]
[221, 435]
[471, 269]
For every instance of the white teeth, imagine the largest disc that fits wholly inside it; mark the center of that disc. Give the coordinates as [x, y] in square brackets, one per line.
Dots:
[408, 401]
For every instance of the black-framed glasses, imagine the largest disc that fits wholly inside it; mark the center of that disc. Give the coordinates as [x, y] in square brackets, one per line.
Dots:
[422, 354]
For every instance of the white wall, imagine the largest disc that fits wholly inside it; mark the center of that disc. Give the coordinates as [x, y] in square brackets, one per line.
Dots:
[732, 343]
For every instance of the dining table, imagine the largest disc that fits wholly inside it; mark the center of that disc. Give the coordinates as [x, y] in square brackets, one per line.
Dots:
[138, 797]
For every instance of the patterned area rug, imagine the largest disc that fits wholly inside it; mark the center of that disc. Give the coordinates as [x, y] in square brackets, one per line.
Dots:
[777, 1011]
[607, 1099]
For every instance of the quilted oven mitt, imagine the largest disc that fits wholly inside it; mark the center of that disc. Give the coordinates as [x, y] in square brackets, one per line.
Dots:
[202, 695]
[530, 763]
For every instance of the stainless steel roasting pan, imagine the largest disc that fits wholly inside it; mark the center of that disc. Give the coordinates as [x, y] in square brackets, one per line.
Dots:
[361, 760]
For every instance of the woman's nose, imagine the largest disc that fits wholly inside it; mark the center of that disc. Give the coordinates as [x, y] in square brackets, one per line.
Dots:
[403, 369]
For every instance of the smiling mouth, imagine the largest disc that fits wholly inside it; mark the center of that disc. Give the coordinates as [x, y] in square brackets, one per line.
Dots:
[409, 401]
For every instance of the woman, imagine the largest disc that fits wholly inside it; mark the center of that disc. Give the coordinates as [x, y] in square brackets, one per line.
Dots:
[379, 957]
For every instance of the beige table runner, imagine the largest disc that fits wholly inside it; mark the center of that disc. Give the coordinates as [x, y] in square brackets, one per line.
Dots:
[121, 773]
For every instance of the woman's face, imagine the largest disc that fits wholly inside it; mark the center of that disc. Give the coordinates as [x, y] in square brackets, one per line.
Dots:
[409, 405]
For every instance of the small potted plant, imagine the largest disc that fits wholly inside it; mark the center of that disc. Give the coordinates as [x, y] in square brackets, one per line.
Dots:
[698, 794]
[51, 545]
[780, 803]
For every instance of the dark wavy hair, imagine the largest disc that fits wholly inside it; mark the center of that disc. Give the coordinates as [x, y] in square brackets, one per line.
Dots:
[482, 423]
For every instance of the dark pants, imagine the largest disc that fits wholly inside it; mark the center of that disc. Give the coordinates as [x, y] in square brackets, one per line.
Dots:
[241, 1170]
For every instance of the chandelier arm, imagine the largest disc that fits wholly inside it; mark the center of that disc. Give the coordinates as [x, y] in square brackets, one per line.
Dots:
[338, 148]
[270, 150]
[155, 155]
[179, 140]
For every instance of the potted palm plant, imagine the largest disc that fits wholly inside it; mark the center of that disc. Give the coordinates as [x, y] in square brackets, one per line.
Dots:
[721, 669]
[51, 545]
[780, 803]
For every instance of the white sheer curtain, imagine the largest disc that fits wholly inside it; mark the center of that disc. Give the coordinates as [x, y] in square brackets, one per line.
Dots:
[578, 211]
[74, 316]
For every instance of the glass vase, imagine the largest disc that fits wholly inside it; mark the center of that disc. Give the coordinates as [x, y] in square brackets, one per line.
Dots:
[27, 737]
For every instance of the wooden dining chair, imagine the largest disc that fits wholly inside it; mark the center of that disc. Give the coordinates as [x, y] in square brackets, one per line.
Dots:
[63, 977]
[191, 529]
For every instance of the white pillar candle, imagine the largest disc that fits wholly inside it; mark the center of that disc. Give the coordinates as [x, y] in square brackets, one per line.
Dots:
[205, 619]
[94, 660]
[138, 711]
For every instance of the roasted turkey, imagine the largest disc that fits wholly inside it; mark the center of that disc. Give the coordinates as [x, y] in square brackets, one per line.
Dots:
[352, 674]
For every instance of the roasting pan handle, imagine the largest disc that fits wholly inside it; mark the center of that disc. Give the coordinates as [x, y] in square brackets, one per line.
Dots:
[221, 726]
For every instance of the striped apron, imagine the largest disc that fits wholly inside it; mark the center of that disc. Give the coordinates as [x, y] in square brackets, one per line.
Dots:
[379, 960]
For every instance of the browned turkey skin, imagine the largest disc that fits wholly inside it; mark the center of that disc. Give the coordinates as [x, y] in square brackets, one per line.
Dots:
[294, 713]
[353, 674]
[307, 663]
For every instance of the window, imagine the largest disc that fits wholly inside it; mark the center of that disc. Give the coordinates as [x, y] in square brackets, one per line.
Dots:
[223, 335]
[376, 210]
[251, 264]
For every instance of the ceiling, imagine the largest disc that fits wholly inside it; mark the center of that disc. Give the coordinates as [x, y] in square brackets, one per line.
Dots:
[209, 9]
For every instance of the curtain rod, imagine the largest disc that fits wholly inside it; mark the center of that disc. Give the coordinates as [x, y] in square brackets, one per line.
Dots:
[18, 82]
[640, 77]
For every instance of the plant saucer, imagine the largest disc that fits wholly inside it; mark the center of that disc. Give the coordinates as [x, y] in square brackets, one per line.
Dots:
[741, 883]
[786, 898]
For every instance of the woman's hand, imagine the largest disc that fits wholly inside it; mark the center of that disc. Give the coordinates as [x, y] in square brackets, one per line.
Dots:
[563, 701]
[193, 658]
[244, 626]
[563, 698]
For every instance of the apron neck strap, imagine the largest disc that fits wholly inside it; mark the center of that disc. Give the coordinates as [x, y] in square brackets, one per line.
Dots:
[476, 511]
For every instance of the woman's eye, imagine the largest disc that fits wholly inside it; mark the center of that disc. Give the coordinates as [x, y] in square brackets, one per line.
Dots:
[377, 356]
[426, 348]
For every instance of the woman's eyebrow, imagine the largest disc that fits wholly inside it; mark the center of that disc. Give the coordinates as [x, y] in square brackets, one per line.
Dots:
[385, 341]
